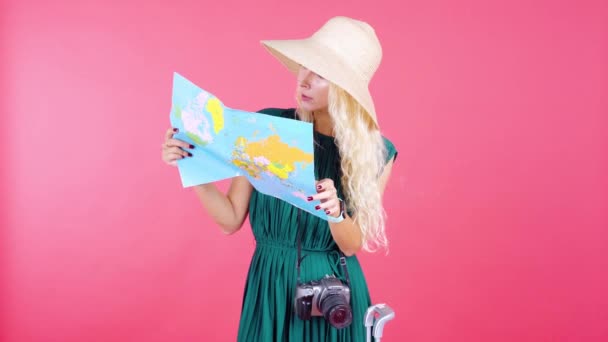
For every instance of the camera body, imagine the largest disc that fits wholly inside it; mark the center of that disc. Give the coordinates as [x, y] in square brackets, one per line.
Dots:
[327, 297]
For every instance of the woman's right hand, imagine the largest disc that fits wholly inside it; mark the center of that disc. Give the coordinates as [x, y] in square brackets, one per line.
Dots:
[173, 149]
[229, 210]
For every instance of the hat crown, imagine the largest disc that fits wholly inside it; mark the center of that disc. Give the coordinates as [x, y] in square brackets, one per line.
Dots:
[354, 41]
[344, 51]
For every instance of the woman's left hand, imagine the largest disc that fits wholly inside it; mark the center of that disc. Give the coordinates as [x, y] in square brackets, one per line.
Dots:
[328, 195]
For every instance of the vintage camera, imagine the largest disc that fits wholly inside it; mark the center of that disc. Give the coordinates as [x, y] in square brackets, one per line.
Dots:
[328, 297]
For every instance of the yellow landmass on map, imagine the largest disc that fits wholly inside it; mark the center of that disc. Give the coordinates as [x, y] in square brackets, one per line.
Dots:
[280, 156]
[214, 107]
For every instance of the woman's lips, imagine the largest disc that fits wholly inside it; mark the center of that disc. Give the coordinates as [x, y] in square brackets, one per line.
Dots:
[306, 98]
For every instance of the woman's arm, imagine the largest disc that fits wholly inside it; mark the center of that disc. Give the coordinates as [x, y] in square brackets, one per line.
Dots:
[227, 210]
[347, 233]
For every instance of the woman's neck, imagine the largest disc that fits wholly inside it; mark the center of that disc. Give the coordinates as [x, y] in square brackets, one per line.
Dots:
[322, 122]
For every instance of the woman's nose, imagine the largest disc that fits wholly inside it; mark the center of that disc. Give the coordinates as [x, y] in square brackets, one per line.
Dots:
[305, 77]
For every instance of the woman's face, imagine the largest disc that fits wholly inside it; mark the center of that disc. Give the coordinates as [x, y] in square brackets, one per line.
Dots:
[312, 90]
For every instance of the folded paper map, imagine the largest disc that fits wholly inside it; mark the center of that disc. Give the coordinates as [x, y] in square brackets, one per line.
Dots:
[274, 153]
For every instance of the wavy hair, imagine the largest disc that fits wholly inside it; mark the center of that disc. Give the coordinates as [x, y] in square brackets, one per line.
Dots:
[363, 155]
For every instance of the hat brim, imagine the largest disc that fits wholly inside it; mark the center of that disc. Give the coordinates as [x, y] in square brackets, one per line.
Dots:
[322, 60]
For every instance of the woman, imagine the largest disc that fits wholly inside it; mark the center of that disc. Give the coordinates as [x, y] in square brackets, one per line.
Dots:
[352, 164]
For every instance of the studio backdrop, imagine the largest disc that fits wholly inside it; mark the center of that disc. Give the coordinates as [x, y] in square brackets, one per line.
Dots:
[497, 204]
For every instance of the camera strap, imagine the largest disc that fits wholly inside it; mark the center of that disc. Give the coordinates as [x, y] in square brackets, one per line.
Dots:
[300, 258]
[299, 242]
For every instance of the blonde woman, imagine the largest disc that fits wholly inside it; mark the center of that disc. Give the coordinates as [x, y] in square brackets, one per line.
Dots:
[353, 162]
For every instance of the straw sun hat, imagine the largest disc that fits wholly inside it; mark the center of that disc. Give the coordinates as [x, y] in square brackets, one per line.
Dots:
[344, 51]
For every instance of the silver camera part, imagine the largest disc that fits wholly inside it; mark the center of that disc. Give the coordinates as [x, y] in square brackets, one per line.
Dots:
[377, 316]
[329, 285]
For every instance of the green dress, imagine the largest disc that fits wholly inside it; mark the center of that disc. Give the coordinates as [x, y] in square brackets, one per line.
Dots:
[268, 304]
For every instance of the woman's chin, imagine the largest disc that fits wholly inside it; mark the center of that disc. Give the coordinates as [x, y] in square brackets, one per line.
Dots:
[308, 107]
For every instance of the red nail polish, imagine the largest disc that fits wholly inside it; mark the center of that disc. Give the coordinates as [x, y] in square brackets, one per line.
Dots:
[318, 207]
[327, 212]
[175, 130]
[191, 146]
[319, 187]
[309, 198]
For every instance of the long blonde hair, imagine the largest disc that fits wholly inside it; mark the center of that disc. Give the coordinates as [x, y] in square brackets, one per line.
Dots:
[363, 156]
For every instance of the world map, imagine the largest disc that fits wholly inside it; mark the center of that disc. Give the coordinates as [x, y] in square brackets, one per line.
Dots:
[268, 155]
[275, 154]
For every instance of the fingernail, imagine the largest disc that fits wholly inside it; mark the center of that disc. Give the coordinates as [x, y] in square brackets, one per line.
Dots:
[175, 130]
[327, 212]
[318, 207]
[319, 187]
[309, 198]
[189, 154]
[191, 146]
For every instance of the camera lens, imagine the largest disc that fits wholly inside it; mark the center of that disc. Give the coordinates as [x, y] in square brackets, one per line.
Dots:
[336, 311]
[340, 317]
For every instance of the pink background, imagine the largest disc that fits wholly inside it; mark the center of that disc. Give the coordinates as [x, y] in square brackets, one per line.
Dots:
[498, 203]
